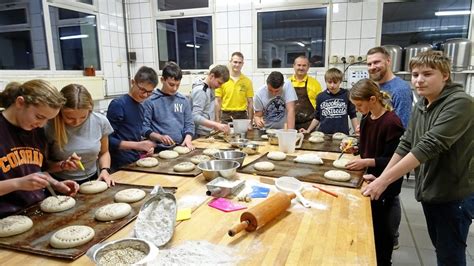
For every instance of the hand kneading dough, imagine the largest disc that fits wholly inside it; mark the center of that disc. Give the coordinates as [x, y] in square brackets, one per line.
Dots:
[181, 149]
[339, 135]
[337, 175]
[148, 162]
[57, 203]
[210, 151]
[276, 155]
[184, 167]
[93, 187]
[341, 163]
[72, 236]
[112, 211]
[196, 159]
[309, 158]
[129, 195]
[15, 225]
[316, 139]
[317, 134]
[168, 154]
[264, 166]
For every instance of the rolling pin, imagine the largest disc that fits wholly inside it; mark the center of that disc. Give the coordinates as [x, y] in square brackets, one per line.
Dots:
[262, 213]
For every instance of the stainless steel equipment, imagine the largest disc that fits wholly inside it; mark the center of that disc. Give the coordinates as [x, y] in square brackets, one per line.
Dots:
[412, 51]
[395, 52]
[459, 51]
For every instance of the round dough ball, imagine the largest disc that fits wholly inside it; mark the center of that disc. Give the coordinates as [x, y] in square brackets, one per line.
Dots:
[341, 163]
[15, 225]
[57, 203]
[264, 166]
[71, 236]
[182, 149]
[317, 134]
[112, 211]
[276, 155]
[148, 162]
[265, 136]
[316, 139]
[168, 154]
[339, 135]
[93, 187]
[129, 195]
[337, 175]
[211, 151]
[196, 159]
[184, 167]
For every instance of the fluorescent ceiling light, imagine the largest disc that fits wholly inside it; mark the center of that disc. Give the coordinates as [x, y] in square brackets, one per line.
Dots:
[80, 36]
[453, 13]
[190, 45]
[300, 44]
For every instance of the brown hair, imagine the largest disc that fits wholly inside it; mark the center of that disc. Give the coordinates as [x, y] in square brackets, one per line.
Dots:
[434, 60]
[366, 88]
[220, 71]
[301, 57]
[34, 92]
[379, 49]
[77, 97]
[333, 74]
[239, 54]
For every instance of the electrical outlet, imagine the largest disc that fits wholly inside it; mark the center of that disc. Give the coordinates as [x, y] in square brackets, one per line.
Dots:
[334, 59]
[351, 59]
[361, 58]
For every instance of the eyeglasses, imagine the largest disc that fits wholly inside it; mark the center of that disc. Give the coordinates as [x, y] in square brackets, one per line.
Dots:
[143, 90]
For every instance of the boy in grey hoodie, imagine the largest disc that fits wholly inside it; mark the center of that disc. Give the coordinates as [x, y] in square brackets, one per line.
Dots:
[203, 100]
[168, 117]
[438, 145]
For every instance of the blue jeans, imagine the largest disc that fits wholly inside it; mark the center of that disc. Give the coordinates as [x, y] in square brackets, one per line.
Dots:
[448, 226]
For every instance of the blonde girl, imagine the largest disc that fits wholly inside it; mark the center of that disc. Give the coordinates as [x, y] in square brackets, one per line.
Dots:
[79, 134]
[27, 108]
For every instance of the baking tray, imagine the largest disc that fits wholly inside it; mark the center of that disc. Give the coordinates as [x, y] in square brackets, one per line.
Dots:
[36, 240]
[328, 145]
[304, 172]
[166, 165]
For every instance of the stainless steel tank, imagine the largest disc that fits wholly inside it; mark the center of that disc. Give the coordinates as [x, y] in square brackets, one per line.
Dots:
[459, 51]
[413, 50]
[395, 52]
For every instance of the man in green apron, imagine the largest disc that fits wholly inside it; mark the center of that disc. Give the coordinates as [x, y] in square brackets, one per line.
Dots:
[307, 88]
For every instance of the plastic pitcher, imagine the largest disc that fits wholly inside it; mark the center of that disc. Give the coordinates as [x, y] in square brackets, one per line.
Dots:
[240, 125]
[287, 139]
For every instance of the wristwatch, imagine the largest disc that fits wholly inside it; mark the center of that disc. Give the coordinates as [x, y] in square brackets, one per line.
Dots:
[106, 169]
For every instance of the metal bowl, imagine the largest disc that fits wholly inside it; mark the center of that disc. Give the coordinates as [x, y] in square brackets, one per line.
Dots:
[215, 168]
[272, 138]
[150, 250]
[239, 142]
[250, 148]
[231, 156]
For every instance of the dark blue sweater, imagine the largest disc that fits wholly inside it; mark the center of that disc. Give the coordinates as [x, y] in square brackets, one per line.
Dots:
[332, 111]
[126, 117]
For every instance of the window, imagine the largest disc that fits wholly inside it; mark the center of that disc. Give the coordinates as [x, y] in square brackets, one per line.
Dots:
[22, 36]
[167, 5]
[410, 22]
[186, 41]
[284, 35]
[74, 39]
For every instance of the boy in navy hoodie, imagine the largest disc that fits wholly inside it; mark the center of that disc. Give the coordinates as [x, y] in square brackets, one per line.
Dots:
[168, 118]
[333, 107]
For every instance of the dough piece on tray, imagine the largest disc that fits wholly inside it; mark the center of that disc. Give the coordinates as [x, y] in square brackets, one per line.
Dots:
[129, 195]
[57, 203]
[337, 175]
[112, 211]
[182, 149]
[147, 162]
[184, 167]
[309, 158]
[341, 163]
[317, 134]
[316, 139]
[167, 154]
[210, 151]
[93, 187]
[276, 155]
[339, 135]
[71, 236]
[196, 159]
[15, 225]
[264, 166]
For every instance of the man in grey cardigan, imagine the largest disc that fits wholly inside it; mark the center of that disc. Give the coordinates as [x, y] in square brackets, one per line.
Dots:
[203, 100]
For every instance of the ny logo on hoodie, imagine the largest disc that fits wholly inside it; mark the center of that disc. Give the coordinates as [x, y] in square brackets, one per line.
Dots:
[178, 107]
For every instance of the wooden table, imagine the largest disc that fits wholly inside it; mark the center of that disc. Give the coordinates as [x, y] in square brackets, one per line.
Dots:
[336, 231]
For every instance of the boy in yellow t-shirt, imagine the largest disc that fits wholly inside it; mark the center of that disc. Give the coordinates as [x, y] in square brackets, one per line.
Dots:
[234, 99]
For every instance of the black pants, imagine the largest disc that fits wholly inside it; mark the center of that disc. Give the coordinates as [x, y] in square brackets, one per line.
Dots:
[383, 233]
[227, 116]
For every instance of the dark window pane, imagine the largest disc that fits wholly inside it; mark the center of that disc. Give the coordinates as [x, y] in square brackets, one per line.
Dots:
[166, 5]
[74, 39]
[406, 23]
[186, 41]
[284, 35]
[22, 36]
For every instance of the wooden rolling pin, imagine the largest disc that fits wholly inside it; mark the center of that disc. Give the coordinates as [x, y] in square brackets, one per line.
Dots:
[262, 213]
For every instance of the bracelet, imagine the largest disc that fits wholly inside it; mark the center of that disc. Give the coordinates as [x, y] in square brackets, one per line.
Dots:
[61, 165]
[106, 169]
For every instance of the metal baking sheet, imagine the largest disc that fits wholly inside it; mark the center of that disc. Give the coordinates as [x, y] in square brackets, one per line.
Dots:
[36, 240]
[304, 172]
[328, 145]
[166, 165]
